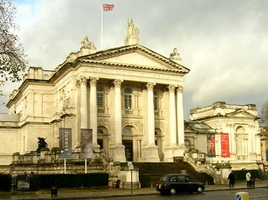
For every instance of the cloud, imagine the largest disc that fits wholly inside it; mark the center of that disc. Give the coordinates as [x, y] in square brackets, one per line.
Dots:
[223, 43]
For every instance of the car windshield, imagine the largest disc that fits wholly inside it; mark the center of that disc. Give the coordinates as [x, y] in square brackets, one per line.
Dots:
[164, 179]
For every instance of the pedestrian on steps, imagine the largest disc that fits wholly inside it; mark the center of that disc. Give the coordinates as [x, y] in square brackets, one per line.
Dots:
[231, 179]
[248, 179]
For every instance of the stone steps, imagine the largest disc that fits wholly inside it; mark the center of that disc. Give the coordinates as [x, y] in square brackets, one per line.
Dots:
[150, 173]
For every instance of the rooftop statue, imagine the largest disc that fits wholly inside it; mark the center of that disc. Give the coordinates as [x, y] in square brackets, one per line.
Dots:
[85, 44]
[132, 29]
[175, 55]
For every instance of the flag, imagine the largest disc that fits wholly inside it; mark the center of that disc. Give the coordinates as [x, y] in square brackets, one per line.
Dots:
[108, 7]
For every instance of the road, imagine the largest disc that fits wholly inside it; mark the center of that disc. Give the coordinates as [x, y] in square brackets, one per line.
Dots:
[254, 194]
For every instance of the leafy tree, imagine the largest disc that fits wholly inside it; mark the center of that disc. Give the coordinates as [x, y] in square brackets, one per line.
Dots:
[12, 57]
[264, 114]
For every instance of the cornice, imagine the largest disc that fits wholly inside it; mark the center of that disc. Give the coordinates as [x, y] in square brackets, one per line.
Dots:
[133, 48]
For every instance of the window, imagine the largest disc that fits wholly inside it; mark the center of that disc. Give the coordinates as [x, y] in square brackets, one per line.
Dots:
[188, 179]
[100, 131]
[156, 102]
[180, 178]
[173, 179]
[128, 98]
[100, 97]
[127, 131]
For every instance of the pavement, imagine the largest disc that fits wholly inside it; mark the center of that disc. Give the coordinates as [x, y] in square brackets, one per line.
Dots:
[107, 192]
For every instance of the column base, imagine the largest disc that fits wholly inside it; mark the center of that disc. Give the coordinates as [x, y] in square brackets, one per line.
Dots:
[173, 151]
[150, 154]
[118, 153]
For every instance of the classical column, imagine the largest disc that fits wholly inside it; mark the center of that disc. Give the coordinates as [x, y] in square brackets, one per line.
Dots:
[171, 149]
[78, 114]
[150, 114]
[117, 149]
[172, 116]
[83, 105]
[252, 140]
[93, 112]
[150, 152]
[232, 140]
[118, 112]
[180, 121]
[180, 118]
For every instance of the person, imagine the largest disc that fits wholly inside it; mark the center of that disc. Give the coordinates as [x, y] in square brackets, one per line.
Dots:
[248, 179]
[231, 179]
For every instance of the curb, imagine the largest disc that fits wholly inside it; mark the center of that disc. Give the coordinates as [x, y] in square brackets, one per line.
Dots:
[23, 196]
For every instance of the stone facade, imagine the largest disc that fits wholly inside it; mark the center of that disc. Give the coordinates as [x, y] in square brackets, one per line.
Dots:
[264, 147]
[237, 138]
[130, 96]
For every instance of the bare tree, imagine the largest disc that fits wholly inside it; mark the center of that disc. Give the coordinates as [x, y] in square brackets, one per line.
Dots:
[264, 114]
[12, 57]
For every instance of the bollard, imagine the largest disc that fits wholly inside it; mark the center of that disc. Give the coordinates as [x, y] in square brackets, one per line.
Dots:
[54, 192]
[242, 196]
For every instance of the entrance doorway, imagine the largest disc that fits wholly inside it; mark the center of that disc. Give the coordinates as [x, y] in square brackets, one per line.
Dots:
[128, 149]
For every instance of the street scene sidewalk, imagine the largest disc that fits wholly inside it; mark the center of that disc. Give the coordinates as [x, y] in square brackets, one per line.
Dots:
[106, 192]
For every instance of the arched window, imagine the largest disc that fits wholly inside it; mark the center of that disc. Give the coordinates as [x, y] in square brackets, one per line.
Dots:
[100, 97]
[127, 131]
[128, 98]
[100, 131]
[241, 141]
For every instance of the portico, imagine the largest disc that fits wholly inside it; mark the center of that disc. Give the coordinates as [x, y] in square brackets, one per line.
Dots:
[130, 96]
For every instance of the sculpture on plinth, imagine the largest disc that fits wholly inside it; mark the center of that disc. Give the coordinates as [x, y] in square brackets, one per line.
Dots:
[42, 144]
[132, 29]
[85, 44]
[175, 56]
[132, 34]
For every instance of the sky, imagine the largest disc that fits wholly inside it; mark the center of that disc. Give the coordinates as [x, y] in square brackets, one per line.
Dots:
[223, 42]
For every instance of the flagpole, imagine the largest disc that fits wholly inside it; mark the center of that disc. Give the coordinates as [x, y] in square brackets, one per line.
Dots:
[101, 26]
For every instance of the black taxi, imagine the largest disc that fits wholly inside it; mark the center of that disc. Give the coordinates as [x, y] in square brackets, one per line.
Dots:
[175, 183]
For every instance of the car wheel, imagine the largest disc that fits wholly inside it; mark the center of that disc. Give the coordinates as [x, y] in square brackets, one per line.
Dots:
[172, 191]
[199, 190]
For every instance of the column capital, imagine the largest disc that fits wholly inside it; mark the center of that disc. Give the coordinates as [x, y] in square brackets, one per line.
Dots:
[180, 89]
[117, 83]
[82, 79]
[171, 88]
[93, 81]
[150, 86]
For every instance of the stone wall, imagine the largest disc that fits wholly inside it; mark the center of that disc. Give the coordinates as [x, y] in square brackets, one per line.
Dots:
[49, 162]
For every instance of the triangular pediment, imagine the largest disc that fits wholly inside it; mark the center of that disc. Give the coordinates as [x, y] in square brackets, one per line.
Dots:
[240, 113]
[136, 56]
[140, 59]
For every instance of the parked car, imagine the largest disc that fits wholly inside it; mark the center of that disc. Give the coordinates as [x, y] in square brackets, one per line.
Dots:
[175, 183]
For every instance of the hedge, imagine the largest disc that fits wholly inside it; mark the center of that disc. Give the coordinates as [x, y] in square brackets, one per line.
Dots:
[73, 180]
[5, 182]
[241, 175]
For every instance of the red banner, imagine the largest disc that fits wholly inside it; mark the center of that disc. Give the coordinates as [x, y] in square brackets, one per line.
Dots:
[225, 152]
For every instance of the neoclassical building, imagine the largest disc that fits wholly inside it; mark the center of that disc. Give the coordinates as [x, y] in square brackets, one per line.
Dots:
[237, 134]
[129, 96]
